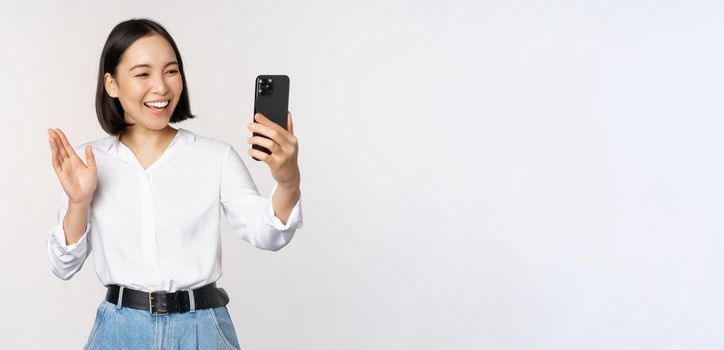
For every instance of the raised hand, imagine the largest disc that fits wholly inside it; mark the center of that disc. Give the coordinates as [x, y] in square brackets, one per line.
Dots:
[78, 179]
[283, 146]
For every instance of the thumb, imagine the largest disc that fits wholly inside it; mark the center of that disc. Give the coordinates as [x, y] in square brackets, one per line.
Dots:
[90, 157]
[290, 125]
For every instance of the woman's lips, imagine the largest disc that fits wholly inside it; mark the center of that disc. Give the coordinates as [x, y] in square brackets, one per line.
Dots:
[158, 112]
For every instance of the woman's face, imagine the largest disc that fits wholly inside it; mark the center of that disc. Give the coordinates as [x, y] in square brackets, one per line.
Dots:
[147, 83]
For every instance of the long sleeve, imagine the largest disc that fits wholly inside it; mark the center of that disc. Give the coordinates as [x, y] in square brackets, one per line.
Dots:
[250, 215]
[66, 260]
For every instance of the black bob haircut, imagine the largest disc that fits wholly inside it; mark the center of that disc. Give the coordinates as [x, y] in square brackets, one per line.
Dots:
[108, 109]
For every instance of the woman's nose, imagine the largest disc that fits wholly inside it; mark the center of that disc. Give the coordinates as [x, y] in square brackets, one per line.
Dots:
[159, 85]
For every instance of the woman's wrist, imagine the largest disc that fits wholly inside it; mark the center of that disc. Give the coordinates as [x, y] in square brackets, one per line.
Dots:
[81, 204]
[291, 187]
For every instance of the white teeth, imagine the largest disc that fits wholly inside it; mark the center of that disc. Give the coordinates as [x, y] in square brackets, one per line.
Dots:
[157, 104]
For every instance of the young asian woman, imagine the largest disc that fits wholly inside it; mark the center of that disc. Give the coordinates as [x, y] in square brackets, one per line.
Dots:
[146, 200]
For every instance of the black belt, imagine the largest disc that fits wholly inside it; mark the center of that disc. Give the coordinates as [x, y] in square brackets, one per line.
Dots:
[163, 303]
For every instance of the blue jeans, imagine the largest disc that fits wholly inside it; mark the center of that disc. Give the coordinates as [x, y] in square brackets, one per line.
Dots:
[125, 328]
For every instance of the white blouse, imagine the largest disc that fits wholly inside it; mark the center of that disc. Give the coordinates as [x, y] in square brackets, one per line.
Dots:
[157, 229]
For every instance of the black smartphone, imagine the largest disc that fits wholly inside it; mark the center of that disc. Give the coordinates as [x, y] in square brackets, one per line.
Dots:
[271, 99]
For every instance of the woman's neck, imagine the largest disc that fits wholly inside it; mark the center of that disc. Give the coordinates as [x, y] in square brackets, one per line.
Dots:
[147, 139]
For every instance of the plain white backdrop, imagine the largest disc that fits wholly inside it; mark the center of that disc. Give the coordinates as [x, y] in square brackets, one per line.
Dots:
[475, 175]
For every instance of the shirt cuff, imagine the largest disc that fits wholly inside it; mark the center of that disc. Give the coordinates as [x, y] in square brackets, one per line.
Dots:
[59, 235]
[295, 217]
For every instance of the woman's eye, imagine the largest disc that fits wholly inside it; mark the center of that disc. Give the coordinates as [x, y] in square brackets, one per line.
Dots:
[174, 71]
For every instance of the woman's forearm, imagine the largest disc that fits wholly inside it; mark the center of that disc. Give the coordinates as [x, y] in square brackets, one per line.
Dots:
[283, 201]
[75, 221]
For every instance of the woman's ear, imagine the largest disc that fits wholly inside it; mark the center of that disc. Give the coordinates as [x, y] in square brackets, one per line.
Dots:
[111, 85]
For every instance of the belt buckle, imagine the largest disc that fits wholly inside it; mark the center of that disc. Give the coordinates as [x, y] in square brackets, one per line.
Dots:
[150, 306]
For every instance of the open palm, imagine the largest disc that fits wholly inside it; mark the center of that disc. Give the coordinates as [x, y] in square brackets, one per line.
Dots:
[78, 179]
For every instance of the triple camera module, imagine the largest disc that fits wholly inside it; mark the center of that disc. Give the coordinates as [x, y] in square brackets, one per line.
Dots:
[265, 87]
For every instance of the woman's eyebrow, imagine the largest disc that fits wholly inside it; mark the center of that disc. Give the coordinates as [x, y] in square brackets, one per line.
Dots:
[146, 65]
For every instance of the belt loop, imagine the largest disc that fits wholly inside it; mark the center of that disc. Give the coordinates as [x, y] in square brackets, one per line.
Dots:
[120, 298]
[192, 301]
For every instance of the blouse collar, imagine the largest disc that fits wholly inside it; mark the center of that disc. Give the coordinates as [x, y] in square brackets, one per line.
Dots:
[182, 134]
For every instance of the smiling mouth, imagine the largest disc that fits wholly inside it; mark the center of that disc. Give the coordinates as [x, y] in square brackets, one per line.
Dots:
[157, 106]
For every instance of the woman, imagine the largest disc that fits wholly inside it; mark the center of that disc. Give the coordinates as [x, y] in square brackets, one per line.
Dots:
[146, 201]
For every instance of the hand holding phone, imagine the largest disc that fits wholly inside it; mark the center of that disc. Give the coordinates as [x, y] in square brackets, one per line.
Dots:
[273, 140]
[271, 99]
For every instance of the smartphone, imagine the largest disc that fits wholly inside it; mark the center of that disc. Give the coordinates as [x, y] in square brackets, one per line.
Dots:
[271, 99]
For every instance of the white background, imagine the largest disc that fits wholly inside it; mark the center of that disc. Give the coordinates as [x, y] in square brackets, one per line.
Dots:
[475, 175]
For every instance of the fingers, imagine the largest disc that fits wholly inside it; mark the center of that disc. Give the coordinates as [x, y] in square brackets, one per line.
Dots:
[54, 155]
[266, 158]
[279, 141]
[264, 142]
[269, 128]
[278, 152]
[278, 134]
[262, 119]
[66, 145]
[265, 130]
[62, 154]
[90, 157]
